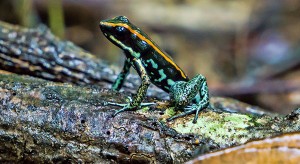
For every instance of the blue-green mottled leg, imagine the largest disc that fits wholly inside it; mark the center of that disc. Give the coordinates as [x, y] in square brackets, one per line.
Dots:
[204, 102]
[138, 98]
[117, 85]
[182, 93]
[185, 92]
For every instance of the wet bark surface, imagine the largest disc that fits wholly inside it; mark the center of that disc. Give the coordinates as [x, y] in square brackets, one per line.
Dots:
[54, 122]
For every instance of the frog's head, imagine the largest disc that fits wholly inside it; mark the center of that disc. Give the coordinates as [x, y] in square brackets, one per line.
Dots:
[117, 30]
[123, 33]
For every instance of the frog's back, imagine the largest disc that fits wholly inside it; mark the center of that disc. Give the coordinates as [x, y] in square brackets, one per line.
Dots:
[161, 69]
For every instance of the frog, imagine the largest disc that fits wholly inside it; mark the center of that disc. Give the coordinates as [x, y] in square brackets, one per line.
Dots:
[154, 66]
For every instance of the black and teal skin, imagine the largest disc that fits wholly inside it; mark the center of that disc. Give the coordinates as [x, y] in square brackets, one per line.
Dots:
[153, 66]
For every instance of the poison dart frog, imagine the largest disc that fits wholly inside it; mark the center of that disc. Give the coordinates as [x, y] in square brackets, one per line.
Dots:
[153, 66]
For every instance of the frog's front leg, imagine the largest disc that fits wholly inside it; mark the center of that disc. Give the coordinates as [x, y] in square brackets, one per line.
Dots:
[117, 85]
[141, 92]
[182, 93]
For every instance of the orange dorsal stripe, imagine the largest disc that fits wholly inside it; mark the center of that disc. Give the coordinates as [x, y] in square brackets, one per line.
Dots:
[148, 41]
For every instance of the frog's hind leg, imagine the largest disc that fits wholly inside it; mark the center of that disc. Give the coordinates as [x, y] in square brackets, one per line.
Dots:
[184, 92]
[187, 111]
[204, 102]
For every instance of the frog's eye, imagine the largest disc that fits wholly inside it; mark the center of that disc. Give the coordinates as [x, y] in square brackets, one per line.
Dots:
[120, 29]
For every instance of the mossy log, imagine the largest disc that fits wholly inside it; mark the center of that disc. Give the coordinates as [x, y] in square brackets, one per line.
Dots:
[44, 121]
[50, 122]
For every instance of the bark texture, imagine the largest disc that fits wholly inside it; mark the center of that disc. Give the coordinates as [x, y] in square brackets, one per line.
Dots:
[52, 122]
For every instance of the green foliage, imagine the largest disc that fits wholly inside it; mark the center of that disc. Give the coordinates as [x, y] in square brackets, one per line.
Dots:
[56, 17]
[25, 12]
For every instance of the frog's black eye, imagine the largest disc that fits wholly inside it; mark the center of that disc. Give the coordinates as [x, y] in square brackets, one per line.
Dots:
[120, 29]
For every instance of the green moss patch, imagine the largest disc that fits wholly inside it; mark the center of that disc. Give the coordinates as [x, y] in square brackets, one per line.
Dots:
[224, 129]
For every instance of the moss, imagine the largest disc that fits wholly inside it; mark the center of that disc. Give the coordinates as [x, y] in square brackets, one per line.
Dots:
[22, 79]
[170, 111]
[33, 101]
[224, 129]
[68, 91]
[143, 109]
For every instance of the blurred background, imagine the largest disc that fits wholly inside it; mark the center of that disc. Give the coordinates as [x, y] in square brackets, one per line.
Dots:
[248, 50]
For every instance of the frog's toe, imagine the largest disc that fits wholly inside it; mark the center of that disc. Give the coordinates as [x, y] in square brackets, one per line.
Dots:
[125, 108]
[115, 104]
[129, 99]
[181, 115]
[188, 108]
[147, 104]
[187, 111]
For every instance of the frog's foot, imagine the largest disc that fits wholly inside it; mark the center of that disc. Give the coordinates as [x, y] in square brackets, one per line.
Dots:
[124, 105]
[181, 115]
[118, 104]
[189, 110]
[127, 107]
